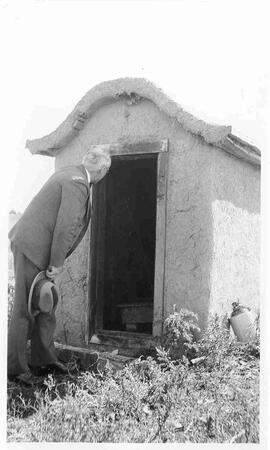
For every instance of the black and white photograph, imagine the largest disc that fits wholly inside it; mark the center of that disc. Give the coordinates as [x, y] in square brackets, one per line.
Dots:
[134, 276]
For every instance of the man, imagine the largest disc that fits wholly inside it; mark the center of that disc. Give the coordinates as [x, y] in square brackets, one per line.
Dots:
[48, 232]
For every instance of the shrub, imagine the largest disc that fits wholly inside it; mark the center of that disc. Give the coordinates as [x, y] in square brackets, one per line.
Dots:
[154, 399]
[179, 332]
[216, 343]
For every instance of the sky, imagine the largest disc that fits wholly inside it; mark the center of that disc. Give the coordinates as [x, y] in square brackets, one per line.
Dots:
[207, 55]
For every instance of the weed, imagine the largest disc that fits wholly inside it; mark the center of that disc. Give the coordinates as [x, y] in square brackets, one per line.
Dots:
[179, 330]
[154, 399]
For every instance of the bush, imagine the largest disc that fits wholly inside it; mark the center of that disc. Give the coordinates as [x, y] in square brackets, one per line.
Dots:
[154, 399]
[217, 344]
[179, 332]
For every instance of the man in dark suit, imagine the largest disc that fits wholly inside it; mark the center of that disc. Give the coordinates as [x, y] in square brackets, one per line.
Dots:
[47, 233]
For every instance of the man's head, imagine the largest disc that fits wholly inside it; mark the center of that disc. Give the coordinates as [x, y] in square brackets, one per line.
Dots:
[97, 162]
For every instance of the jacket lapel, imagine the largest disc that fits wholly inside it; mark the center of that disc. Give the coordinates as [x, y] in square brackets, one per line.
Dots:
[84, 173]
[88, 211]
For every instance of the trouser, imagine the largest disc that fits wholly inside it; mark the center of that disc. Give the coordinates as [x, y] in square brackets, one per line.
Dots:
[21, 328]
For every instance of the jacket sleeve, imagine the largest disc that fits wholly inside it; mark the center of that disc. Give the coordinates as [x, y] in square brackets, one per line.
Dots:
[70, 215]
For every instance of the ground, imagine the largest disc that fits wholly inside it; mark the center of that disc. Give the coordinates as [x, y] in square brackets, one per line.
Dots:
[156, 399]
[210, 394]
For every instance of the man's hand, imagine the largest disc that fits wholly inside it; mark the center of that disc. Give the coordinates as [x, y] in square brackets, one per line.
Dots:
[52, 271]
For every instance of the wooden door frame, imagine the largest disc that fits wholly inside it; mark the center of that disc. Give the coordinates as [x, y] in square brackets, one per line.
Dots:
[138, 147]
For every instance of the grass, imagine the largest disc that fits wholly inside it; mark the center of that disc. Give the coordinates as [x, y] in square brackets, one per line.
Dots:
[208, 395]
[155, 399]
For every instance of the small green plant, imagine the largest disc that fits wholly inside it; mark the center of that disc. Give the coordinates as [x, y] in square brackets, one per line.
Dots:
[179, 331]
[217, 344]
[214, 342]
[155, 399]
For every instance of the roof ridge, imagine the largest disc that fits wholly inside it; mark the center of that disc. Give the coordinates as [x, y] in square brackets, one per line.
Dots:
[134, 89]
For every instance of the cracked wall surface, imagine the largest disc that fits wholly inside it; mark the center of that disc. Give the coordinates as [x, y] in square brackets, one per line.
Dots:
[73, 298]
[235, 270]
[191, 223]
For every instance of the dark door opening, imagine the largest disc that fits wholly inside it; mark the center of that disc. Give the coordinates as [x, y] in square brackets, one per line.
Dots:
[125, 248]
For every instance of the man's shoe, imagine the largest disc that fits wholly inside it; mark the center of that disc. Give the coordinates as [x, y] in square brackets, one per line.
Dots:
[58, 367]
[24, 378]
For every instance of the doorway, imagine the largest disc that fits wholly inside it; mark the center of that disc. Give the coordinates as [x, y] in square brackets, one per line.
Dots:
[128, 245]
[125, 211]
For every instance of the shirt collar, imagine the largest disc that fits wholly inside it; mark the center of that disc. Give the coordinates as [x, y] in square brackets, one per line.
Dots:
[88, 175]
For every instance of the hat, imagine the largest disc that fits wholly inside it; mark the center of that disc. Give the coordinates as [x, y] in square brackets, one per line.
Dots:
[43, 295]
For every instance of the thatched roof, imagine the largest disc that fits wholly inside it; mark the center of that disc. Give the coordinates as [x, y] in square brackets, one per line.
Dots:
[136, 88]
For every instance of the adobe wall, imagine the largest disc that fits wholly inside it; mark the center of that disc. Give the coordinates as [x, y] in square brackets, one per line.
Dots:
[189, 228]
[236, 233]
[189, 238]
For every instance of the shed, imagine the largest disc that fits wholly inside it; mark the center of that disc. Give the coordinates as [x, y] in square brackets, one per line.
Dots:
[175, 222]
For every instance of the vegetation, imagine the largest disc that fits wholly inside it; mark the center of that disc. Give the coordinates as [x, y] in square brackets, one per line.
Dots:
[209, 394]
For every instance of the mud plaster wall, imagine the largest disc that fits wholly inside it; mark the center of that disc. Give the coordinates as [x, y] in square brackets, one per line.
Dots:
[236, 233]
[189, 236]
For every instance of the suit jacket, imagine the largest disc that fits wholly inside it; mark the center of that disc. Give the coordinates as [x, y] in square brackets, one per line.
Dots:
[56, 219]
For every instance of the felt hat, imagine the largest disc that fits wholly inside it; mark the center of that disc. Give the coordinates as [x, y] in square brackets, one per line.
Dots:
[43, 295]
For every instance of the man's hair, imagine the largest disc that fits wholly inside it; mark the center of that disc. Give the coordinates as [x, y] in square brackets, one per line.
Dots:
[96, 158]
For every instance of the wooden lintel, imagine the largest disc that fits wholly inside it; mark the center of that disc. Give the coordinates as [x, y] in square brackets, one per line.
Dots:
[131, 147]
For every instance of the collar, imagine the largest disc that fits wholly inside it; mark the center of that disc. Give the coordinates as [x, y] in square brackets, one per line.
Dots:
[85, 172]
[88, 175]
